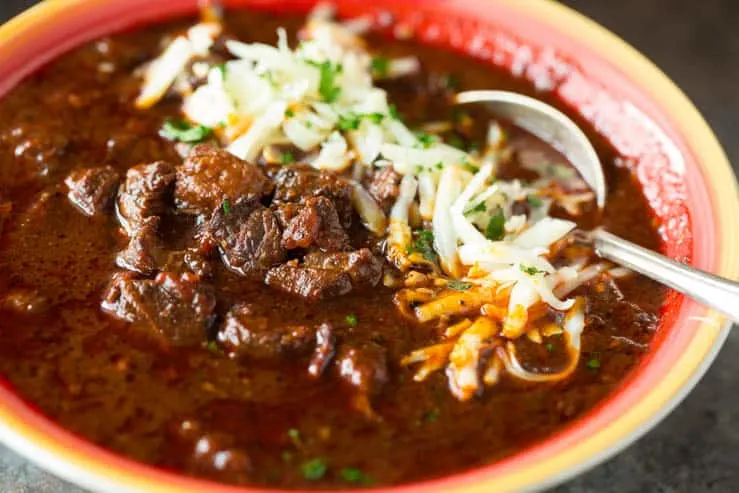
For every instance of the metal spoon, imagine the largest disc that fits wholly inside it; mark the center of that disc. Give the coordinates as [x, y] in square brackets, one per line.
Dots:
[553, 127]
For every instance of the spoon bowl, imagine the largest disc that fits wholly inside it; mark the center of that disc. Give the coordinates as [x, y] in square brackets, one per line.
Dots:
[558, 130]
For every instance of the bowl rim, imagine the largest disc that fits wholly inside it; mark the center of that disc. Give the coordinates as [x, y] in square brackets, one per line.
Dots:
[26, 431]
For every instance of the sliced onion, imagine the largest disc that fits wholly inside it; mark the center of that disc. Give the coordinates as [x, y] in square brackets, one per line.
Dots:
[445, 236]
[426, 195]
[372, 216]
[163, 71]
[249, 145]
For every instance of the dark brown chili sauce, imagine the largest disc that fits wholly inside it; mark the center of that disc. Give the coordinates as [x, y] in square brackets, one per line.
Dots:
[194, 409]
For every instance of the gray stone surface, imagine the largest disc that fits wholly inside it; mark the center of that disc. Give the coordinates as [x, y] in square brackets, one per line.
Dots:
[696, 449]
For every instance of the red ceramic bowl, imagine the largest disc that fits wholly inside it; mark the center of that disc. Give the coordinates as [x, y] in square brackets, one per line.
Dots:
[671, 150]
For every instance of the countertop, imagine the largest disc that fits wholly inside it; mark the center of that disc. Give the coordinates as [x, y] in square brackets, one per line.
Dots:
[696, 449]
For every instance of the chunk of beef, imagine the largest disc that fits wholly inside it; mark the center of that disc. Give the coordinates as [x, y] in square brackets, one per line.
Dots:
[362, 266]
[307, 282]
[188, 260]
[144, 251]
[324, 351]
[364, 367]
[248, 237]
[210, 175]
[316, 224]
[286, 212]
[298, 183]
[384, 186]
[248, 333]
[179, 308]
[144, 193]
[92, 190]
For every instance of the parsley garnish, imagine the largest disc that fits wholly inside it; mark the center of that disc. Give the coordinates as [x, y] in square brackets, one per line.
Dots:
[314, 469]
[221, 67]
[287, 158]
[458, 285]
[534, 201]
[289, 113]
[481, 207]
[352, 320]
[424, 244]
[593, 364]
[375, 118]
[354, 475]
[495, 229]
[349, 122]
[530, 270]
[426, 139]
[550, 347]
[213, 347]
[327, 87]
[393, 112]
[226, 205]
[380, 65]
[183, 131]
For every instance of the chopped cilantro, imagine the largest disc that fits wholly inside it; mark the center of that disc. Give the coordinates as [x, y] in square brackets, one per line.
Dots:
[226, 205]
[393, 112]
[439, 165]
[222, 68]
[470, 167]
[213, 347]
[530, 270]
[424, 244]
[495, 229]
[480, 207]
[287, 158]
[308, 124]
[349, 122]
[550, 347]
[534, 201]
[354, 475]
[352, 320]
[375, 118]
[432, 415]
[327, 87]
[426, 139]
[380, 65]
[593, 364]
[183, 131]
[314, 469]
[458, 285]
[289, 113]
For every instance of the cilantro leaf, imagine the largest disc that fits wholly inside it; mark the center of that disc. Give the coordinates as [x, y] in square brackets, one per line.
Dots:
[424, 244]
[393, 112]
[426, 139]
[354, 475]
[530, 270]
[327, 87]
[226, 205]
[183, 131]
[534, 201]
[495, 229]
[314, 469]
[352, 320]
[458, 285]
[480, 207]
[287, 158]
[349, 122]
[380, 66]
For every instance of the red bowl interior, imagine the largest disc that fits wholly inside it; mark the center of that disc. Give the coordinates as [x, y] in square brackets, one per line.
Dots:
[604, 96]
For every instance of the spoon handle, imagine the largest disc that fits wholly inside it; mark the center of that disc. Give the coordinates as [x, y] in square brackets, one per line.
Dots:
[710, 290]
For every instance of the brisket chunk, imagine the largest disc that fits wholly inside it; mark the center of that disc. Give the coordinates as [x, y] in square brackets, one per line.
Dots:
[297, 184]
[246, 332]
[384, 186]
[316, 224]
[248, 238]
[92, 190]
[144, 193]
[179, 308]
[144, 250]
[209, 176]
[308, 282]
